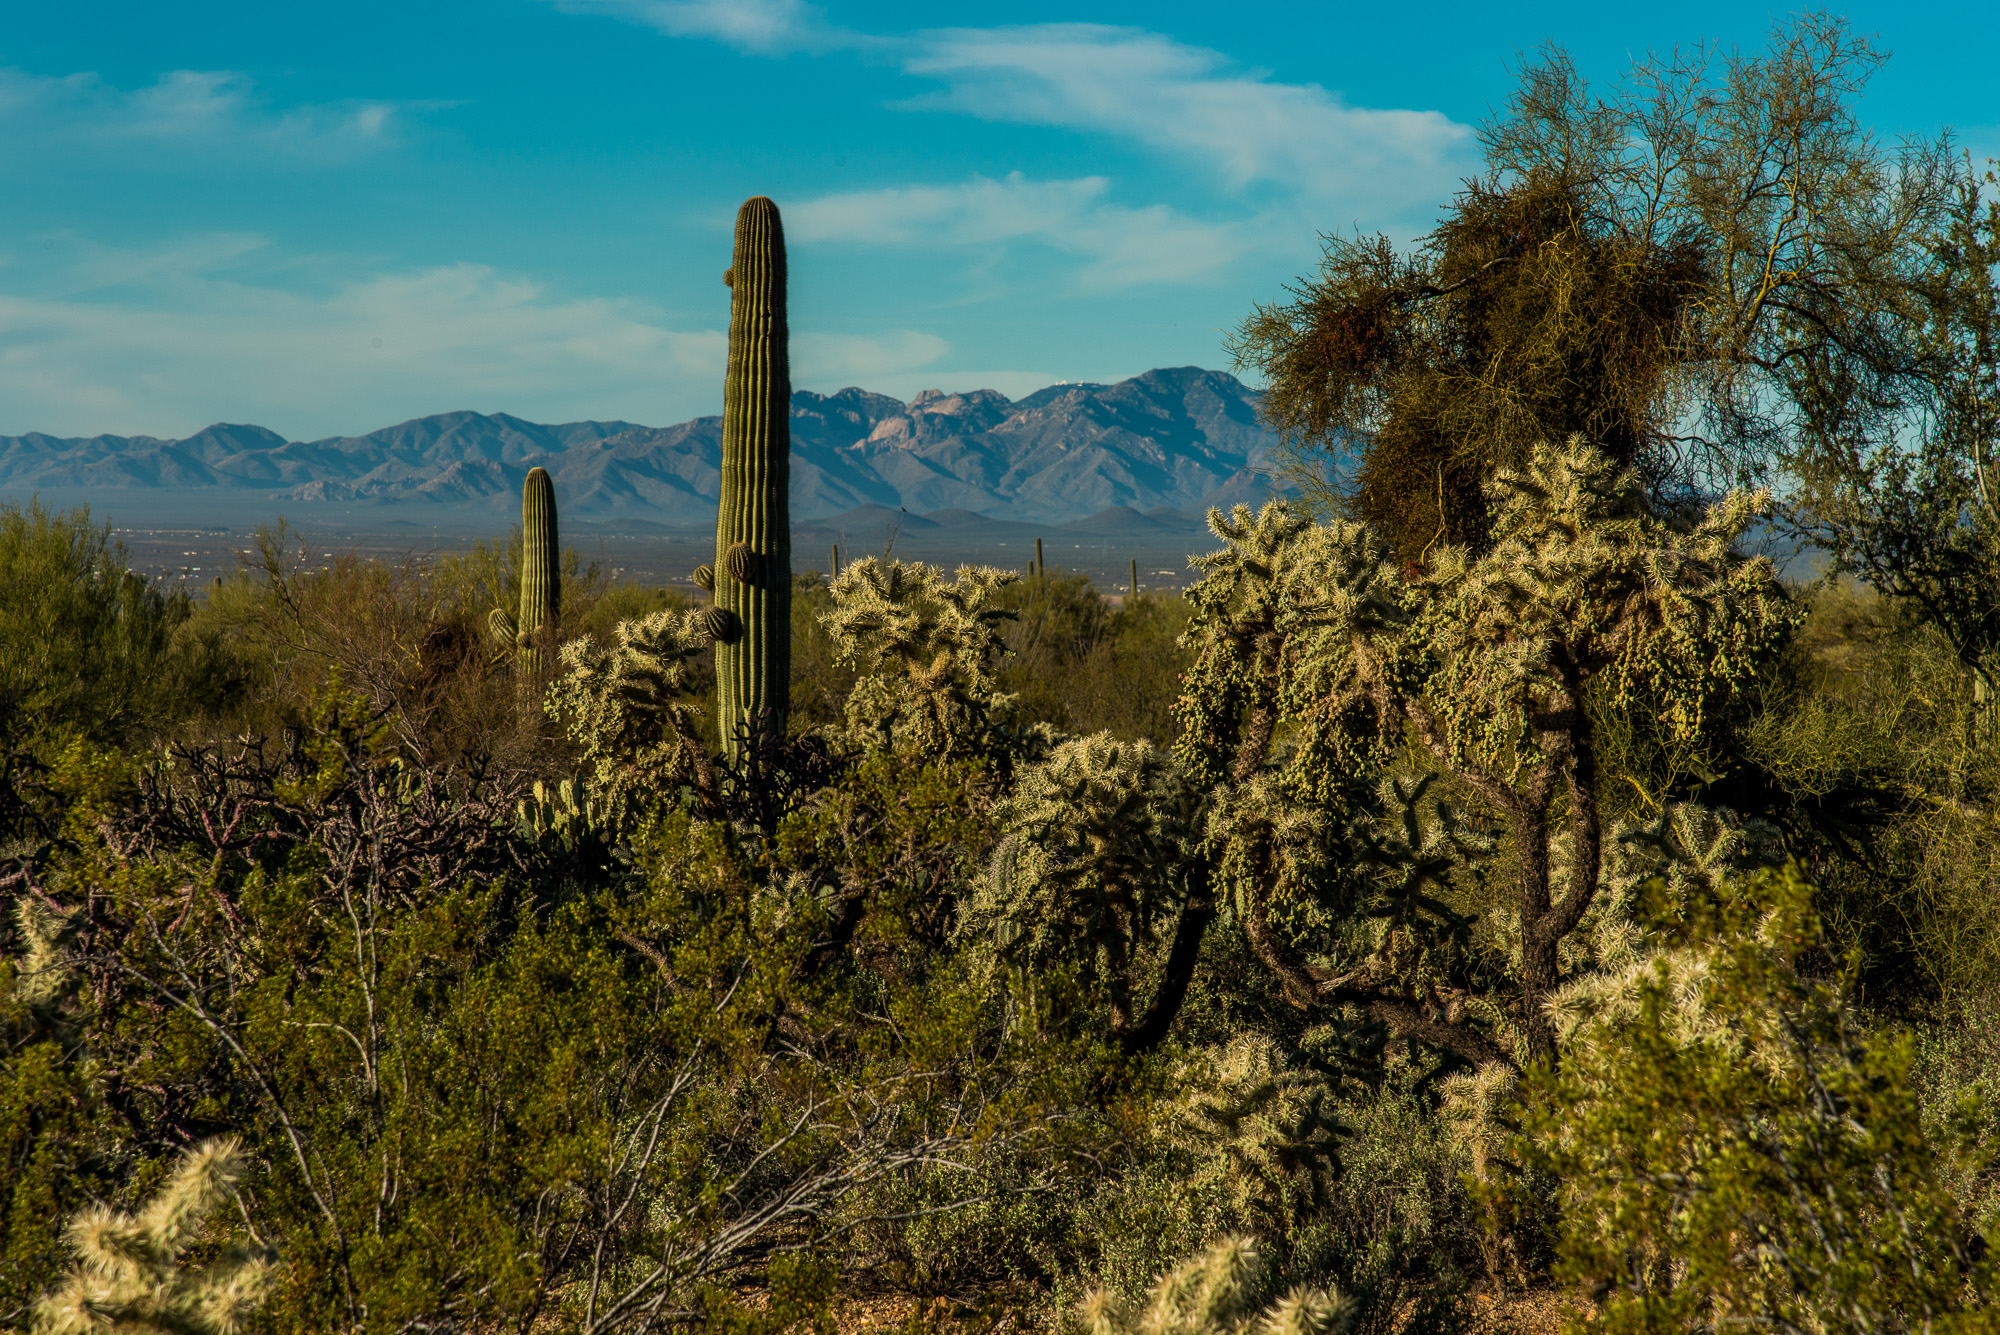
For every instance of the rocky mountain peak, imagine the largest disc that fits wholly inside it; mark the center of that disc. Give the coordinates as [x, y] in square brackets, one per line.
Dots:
[1176, 438]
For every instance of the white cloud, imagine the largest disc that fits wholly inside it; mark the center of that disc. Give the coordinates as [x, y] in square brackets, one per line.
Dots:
[164, 340]
[1123, 246]
[845, 359]
[199, 111]
[764, 27]
[454, 336]
[1191, 103]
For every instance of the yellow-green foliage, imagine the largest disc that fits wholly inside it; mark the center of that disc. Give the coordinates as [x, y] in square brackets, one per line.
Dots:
[1216, 1293]
[1737, 1147]
[134, 1271]
[1267, 1131]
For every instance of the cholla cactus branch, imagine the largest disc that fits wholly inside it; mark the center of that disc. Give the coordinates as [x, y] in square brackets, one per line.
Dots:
[632, 710]
[1309, 633]
[926, 649]
[1092, 840]
[1215, 1294]
[132, 1274]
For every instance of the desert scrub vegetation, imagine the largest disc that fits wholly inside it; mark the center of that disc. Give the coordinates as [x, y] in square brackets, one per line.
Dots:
[1508, 881]
[945, 997]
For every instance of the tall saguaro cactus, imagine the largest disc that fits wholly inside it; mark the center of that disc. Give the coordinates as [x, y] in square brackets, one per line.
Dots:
[751, 615]
[541, 567]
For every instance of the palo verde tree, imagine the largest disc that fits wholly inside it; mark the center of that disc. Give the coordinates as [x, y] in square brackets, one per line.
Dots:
[1695, 272]
[1316, 659]
[1911, 504]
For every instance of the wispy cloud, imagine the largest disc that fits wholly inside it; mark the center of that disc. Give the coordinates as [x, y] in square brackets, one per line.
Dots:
[846, 359]
[184, 111]
[762, 27]
[1121, 246]
[1189, 102]
[150, 340]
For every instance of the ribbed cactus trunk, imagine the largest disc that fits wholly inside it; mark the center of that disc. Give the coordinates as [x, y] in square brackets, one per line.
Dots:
[541, 572]
[753, 529]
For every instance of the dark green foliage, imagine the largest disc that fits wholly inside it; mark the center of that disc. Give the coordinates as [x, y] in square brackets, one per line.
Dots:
[753, 542]
[88, 650]
[1083, 665]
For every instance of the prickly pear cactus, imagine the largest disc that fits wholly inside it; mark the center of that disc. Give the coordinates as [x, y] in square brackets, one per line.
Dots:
[753, 545]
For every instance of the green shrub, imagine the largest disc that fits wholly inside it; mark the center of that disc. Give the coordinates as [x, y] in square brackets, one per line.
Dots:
[1735, 1146]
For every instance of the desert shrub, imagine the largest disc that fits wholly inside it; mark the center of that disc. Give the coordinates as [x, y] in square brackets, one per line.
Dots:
[88, 650]
[1082, 665]
[1861, 749]
[412, 636]
[820, 681]
[1735, 1145]
[477, 1097]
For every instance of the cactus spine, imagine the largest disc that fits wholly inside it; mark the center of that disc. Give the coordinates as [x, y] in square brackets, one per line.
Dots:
[541, 569]
[753, 531]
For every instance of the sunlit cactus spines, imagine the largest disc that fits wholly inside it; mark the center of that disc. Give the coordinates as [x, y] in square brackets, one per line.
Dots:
[541, 566]
[704, 577]
[753, 545]
[1216, 1293]
[132, 1272]
[926, 650]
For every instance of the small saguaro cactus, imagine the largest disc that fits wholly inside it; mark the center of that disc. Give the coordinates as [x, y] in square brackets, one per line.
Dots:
[750, 615]
[541, 565]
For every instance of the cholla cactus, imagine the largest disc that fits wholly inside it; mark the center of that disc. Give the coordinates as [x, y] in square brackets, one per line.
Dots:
[1307, 636]
[925, 649]
[1091, 840]
[632, 709]
[1281, 577]
[1269, 1137]
[132, 1274]
[1216, 1294]
[1587, 577]
[44, 972]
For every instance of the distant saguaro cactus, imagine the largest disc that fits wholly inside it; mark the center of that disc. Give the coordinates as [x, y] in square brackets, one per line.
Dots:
[131, 1273]
[541, 564]
[753, 542]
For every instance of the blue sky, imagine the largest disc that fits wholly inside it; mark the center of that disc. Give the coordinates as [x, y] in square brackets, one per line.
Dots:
[327, 218]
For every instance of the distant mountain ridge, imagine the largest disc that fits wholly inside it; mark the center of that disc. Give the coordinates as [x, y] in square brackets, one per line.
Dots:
[1178, 438]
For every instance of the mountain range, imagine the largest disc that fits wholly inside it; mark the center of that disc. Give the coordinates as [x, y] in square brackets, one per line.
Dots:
[1178, 439]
